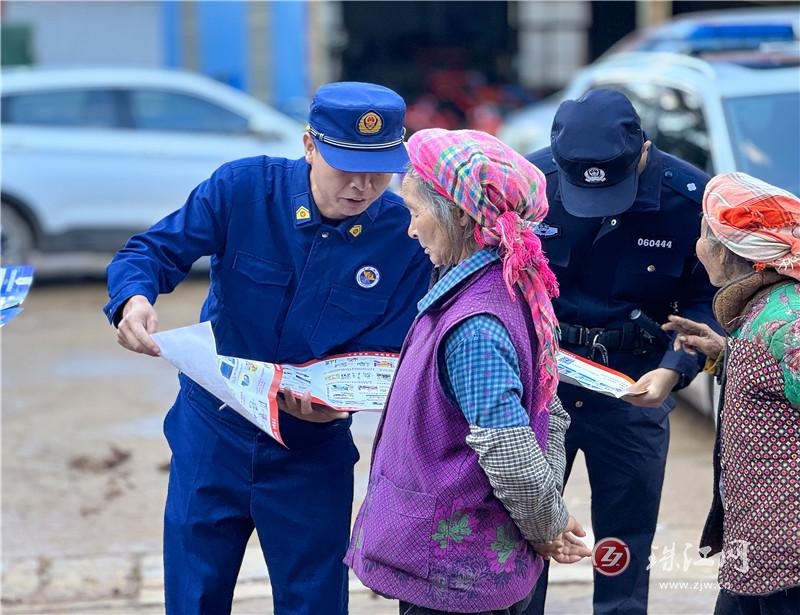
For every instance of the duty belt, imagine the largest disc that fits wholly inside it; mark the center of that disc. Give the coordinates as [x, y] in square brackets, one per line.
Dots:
[622, 338]
[627, 338]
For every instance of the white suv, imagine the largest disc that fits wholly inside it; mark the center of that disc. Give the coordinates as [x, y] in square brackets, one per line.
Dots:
[91, 156]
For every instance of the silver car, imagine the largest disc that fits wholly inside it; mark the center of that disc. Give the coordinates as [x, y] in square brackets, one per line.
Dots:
[91, 156]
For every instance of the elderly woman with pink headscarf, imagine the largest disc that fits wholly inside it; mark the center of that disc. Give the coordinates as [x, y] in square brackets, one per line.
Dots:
[468, 462]
[750, 245]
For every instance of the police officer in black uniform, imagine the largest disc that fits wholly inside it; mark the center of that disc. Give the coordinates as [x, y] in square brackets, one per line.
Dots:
[620, 236]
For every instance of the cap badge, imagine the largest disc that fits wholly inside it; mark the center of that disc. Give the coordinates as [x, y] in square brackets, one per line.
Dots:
[370, 123]
[367, 277]
[302, 213]
[355, 230]
[594, 175]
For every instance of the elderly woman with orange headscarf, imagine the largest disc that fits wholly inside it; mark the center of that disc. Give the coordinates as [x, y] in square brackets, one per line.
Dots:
[750, 245]
[468, 461]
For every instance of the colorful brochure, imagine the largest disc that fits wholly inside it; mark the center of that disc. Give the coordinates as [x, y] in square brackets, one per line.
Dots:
[349, 382]
[248, 387]
[581, 372]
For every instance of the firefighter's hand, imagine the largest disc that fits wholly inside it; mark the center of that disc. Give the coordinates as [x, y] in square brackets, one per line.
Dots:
[304, 410]
[139, 320]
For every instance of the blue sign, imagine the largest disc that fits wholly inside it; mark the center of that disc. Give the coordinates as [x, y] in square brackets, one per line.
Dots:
[15, 282]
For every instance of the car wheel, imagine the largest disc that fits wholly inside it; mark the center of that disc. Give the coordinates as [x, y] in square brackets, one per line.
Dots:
[16, 237]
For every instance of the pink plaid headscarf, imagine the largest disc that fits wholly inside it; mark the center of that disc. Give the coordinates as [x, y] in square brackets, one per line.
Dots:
[505, 195]
[755, 220]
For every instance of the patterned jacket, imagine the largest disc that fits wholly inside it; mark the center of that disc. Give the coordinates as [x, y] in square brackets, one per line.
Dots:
[755, 515]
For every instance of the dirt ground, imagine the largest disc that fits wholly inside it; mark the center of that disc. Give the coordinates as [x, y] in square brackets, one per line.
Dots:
[84, 473]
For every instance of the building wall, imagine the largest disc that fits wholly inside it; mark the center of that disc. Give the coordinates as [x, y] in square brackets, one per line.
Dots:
[91, 33]
[553, 41]
[262, 48]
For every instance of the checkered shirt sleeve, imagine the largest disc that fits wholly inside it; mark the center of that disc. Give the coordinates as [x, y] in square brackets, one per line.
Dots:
[521, 479]
[480, 374]
[557, 430]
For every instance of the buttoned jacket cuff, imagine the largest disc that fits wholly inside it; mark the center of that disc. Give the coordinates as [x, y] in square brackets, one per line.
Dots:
[113, 309]
[685, 364]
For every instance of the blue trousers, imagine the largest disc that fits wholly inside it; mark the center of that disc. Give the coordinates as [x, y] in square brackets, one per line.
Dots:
[626, 452]
[227, 478]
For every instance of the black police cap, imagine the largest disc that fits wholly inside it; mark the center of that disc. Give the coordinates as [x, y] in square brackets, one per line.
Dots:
[597, 143]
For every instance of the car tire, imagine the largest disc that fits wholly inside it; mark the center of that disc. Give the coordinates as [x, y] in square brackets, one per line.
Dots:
[16, 237]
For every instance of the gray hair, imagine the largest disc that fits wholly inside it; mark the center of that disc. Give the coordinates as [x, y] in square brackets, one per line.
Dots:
[461, 239]
[734, 266]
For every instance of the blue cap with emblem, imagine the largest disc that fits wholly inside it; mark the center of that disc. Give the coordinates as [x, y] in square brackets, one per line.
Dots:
[597, 143]
[358, 127]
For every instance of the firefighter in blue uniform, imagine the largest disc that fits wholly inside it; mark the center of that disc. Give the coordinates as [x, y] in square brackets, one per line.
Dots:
[620, 237]
[309, 258]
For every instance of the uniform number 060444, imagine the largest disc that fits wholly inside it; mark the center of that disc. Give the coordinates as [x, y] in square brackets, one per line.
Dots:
[654, 243]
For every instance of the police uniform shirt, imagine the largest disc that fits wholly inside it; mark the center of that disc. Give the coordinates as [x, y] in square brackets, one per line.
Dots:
[286, 285]
[643, 258]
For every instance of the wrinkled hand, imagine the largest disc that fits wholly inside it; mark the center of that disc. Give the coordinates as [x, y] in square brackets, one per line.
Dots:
[652, 388]
[304, 410]
[693, 337]
[139, 320]
[566, 549]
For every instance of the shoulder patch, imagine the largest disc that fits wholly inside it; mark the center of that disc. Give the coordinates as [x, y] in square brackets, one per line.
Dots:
[685, 182]
[683, 178]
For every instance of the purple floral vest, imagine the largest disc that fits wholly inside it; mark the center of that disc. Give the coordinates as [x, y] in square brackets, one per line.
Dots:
[430, 531]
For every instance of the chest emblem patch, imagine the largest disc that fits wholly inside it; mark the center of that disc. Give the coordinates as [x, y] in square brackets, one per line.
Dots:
[302, 213]
[546, 230]
[368, 276]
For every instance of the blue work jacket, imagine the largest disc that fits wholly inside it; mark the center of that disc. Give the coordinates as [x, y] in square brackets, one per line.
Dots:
[286, 285]
[642, 259]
